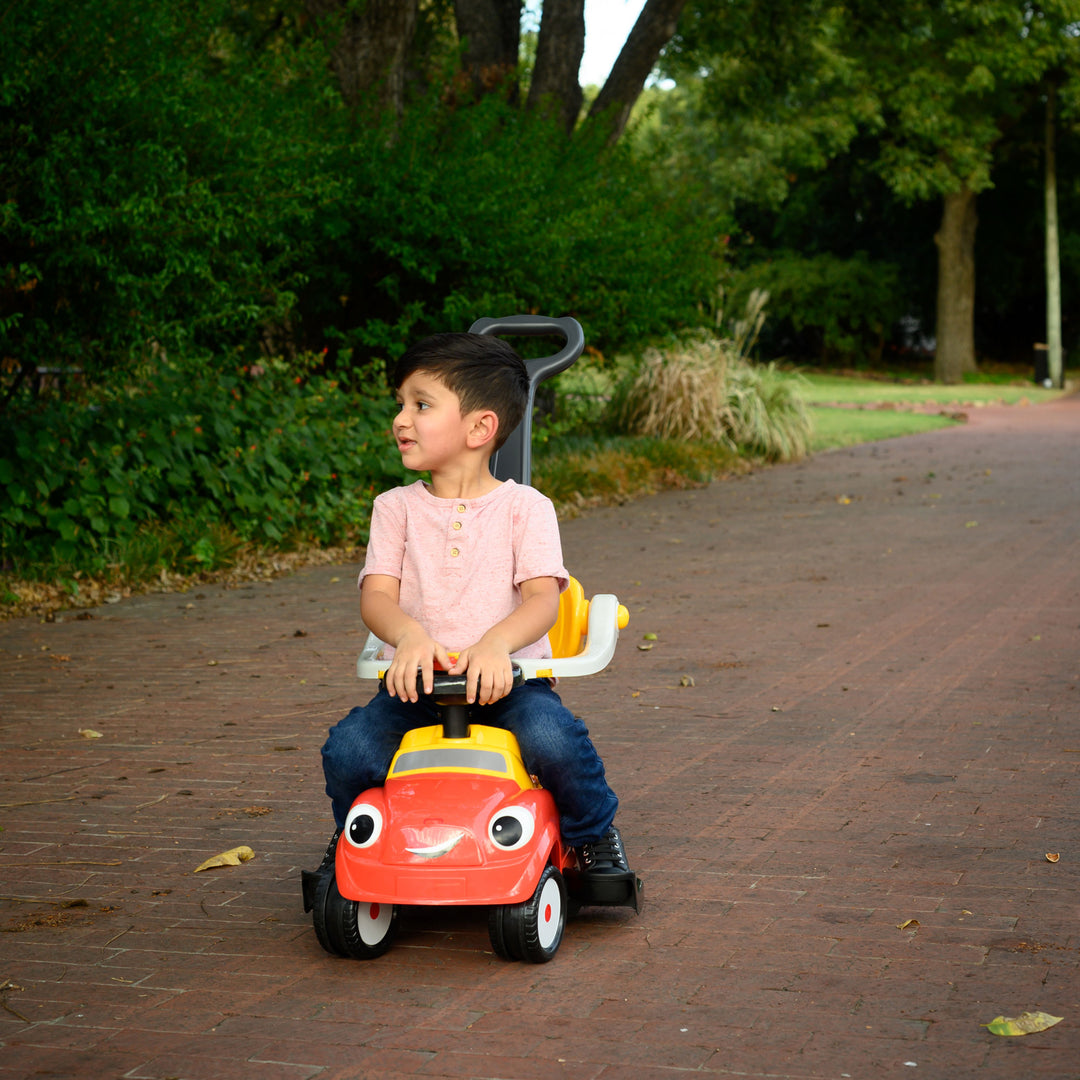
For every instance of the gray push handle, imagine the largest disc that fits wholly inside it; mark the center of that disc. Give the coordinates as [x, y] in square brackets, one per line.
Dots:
[513, 461]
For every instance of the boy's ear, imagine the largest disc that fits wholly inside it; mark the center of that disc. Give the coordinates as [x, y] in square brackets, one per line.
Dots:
[485, 423]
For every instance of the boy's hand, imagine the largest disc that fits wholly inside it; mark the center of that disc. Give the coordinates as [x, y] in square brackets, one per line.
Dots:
[489, 673]
[416, 651]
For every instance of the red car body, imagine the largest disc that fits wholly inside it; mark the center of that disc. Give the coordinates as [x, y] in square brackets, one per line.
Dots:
[458, 821]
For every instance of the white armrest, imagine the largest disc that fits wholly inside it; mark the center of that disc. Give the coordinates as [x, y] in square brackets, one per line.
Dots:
[599, 645]
[368, 666]
[599, 648]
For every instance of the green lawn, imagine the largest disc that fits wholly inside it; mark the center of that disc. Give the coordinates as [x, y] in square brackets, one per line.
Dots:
[848, 427]
[829, 389]
[873, 409]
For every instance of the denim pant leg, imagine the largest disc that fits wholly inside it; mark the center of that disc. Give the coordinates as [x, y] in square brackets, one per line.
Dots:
[357, 754]
[556, 748]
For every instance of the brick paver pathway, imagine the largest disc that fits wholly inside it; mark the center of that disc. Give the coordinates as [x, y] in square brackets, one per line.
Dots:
[842, 765]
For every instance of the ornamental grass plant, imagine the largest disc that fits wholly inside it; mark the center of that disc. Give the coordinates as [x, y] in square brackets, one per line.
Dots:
[705, 388]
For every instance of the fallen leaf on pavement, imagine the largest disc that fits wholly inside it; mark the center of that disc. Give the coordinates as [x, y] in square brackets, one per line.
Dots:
[89, 733]
[1052, 856]
[1024, 1024]
[908, 924]
[233, 857]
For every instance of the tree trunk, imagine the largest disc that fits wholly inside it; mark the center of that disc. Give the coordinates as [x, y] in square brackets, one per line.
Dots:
[491, 31]
[955, 241]
[1054, 358]
[559, 50]
[368, 43]
[653, 30]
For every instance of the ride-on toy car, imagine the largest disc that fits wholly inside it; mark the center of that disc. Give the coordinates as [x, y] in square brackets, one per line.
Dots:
[459, 820]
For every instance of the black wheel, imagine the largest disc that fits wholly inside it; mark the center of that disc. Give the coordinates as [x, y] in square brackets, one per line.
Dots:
[325, 916]
[532, 930]
[504, 929]
[544, 917]
[368, 929]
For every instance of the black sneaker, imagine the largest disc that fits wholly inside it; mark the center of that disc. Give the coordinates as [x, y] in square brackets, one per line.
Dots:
[604, 856]
[331, 853]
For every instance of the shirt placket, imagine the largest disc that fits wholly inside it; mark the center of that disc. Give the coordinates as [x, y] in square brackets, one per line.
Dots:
[456, 536]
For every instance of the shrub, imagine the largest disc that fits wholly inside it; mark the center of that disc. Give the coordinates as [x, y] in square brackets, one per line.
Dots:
[703, 389]
[847, 305]
[768, 416]
[185, 465]
[492, 211]
[678, 393]
[156, 187]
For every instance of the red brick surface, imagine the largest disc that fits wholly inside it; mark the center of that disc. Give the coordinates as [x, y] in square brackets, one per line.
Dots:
[861, 709]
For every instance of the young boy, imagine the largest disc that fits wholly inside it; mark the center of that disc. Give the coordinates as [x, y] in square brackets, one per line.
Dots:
[471, 565]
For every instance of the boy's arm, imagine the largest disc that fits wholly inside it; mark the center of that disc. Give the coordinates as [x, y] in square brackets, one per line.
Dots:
[414, 648]
[487, 663]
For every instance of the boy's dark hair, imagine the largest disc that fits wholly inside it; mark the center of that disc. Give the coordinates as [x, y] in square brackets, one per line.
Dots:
[484, 371]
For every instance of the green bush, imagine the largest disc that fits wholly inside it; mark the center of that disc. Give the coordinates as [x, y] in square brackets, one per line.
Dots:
[847, 306]
[179, 465]
[488, 210]
[158, 180]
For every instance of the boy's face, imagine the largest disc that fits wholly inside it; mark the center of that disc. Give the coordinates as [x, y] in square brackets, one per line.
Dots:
[430, 430]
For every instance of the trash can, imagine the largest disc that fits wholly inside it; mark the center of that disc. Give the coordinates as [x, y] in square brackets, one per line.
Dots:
[1042, 368]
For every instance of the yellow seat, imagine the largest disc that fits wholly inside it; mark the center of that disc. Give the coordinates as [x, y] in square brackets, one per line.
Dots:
[568, 635]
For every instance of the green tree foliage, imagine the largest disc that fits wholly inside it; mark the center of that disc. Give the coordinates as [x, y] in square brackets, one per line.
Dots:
[492, 209]
[157, 178]
[927, 89]
[179, 177]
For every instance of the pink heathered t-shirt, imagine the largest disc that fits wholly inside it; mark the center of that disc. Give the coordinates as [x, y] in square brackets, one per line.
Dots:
[461, 562]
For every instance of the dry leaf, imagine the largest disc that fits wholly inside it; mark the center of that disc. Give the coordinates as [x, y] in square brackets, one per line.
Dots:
[645, 648]
[909, 924]
[233, 857]
[1024, 1024]
[687, 680]
[1052, 856]
[89, 733]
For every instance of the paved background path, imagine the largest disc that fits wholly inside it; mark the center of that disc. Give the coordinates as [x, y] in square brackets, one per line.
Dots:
[842, 765]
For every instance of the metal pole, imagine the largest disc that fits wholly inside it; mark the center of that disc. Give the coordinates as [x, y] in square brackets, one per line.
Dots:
[1053, 262]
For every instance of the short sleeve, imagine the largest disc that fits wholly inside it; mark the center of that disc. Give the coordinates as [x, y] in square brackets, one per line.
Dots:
[386, 542]
[538, 545]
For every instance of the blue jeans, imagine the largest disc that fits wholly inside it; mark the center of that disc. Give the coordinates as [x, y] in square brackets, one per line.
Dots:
[555, 746]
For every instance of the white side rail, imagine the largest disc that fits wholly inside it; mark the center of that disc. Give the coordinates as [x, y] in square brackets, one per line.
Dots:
[599, 648]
